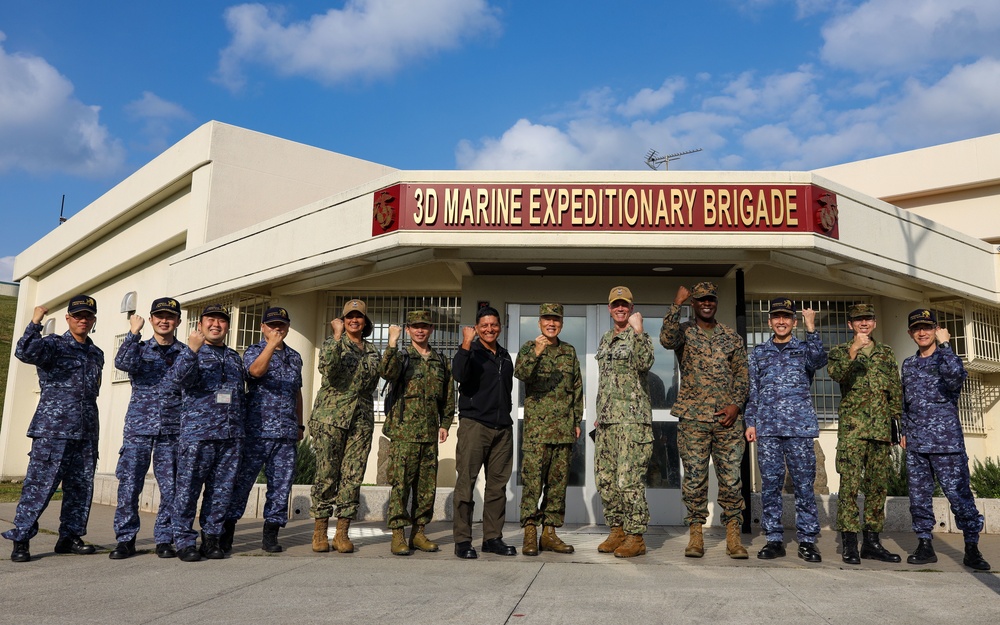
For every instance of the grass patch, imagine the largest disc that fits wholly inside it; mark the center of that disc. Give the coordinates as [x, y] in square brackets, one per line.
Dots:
[10, 492]
[8, 307]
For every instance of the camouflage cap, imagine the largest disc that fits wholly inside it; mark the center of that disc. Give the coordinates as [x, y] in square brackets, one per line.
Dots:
[418, 316]
[356, 305]
[215, 310]
[920, 317]
[860, 310]
[552, 310]
[782, 305]
[620, 293]
[82, 303]
[165, 305]
[704, 290]
[277, 315]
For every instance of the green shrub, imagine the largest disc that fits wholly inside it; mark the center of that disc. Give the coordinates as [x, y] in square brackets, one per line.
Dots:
[986, 478]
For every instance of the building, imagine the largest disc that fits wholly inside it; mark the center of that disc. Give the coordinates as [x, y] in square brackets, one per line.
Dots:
[233, 216]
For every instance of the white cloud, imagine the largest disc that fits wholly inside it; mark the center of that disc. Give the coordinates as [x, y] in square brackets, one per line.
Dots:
[6, 268]
[367, 39]
[902, 35]
[44, 128]
[158, 117]
[650, 100]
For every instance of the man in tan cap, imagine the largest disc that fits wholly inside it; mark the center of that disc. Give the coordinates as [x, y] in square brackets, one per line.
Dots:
[342, 423]
[623, 443]
[715, 383]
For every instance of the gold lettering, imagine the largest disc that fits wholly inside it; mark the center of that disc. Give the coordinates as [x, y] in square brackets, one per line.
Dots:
[689, 198]
[646, 206]
[589, 207]
[761, 208]
[498, 210]
[575, 218]
[533, 205]
[631, 207]
[725, 203]
[746, 207]
[791, 206]
[418, 198]
[550, 204]
[710, 211]
[777, 216]
[563, 206]
[661, 209]
[451, 206]
[515, 207]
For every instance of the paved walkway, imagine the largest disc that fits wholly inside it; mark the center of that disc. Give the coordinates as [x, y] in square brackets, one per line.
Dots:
[371, 585]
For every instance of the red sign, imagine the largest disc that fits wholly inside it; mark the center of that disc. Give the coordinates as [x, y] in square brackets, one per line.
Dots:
[614, 208]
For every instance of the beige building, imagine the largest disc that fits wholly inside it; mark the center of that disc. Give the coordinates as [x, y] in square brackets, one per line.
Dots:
[233, 216]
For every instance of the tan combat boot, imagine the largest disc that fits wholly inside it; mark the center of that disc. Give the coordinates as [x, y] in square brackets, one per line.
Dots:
[320, 541]
[341, 542]
[399, 546]
[734, 546]
[613, 541]
[530, 545]
[633, 546]
[696, 543]
[419, 540]
[551, 542]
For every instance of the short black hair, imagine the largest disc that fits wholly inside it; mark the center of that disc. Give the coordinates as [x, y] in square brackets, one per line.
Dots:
[487, 311]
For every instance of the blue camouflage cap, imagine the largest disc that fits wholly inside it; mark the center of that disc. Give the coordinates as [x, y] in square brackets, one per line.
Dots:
[921, 316]
[165, 305]
[82, 303]
[215, 310]
[782, 305]
[276, 315]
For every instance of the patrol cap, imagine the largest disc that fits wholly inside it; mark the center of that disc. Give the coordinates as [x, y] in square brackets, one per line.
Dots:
[620, 293]
[418, 316]
[920, 317]
[555, 310]
[215, 310]
[704, 290]
[82, 303]
[861, 310]
[782, 305]
[276, 315]
[356, 305]
[165, 305]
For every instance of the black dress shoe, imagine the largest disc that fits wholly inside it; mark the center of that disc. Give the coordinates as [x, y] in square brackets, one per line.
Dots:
[125, 549]
[773, 549]
[466, 550]
[74, 544]
[189, 554]
[20, 552]
[809, 552]
[499, 547]
[165, 550]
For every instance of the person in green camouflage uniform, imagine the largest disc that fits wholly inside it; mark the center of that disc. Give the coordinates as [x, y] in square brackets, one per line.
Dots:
[870, 398]
[624, 438]
[715, 383]
[553, 408]
[342, 423]
[419, 419]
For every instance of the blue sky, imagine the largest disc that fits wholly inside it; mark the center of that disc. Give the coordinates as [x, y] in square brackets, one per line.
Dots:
[89, 92]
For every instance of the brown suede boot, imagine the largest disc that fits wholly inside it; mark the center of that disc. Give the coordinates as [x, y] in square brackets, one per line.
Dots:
[633, 546]
[341, 542]
[320, 541]
[551, 542]
[399, 546]
[734, 546]
[530, 545]
[613, 541]
[696, 542]
[419, 540]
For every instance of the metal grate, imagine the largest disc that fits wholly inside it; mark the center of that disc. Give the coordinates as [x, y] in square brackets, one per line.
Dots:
[117, 374]
[385, 309]
[831, 323]
[984, 354]
[951, 317]
[973, 402]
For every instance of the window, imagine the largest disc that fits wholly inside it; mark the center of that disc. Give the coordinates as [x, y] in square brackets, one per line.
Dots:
[972, 403]
[246, 311]
[117, 375]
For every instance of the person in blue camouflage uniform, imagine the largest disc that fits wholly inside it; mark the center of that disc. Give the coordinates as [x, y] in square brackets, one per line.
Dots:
[623, 442]
[212, 378]
[553, 409]
[342, 424]
[714, 388]
[870, 398]
[781, 419]
[63, 430]
[419, 419]
[152, 423]
[273, 428]
[932, 437]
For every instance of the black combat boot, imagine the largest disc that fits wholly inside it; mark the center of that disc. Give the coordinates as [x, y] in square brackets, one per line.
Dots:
[849, 547]
[226, 538]
[20, 552]
[773, 549]
[872, 549]
[210, 547]
[124, 549]
[974, 559]
[270, 541]
[923, 554]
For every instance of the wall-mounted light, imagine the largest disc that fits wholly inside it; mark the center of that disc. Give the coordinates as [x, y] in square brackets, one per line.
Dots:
[129, 303]
[49, 327]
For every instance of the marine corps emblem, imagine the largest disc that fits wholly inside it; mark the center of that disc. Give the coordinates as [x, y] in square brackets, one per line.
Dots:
[826, 212]
[383, 209]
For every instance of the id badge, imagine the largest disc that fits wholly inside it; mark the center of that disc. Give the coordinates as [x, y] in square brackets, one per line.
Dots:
[224, 397]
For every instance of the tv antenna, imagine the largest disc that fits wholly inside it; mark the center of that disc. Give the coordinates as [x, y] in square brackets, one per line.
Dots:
[62, 219]
[653, 159]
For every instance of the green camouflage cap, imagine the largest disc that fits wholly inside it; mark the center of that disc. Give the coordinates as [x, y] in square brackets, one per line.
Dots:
[418, 316]
[552, 310]
[703, 290]
[860, 310]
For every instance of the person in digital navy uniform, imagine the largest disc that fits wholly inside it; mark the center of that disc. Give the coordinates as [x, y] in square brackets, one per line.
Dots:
[212, 378]
[780, 417]
[273, 427]
[64, 429]
[151, 426]
[933, 440]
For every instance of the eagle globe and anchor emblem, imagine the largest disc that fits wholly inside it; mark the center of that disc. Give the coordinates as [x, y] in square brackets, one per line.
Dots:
[383, 209]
